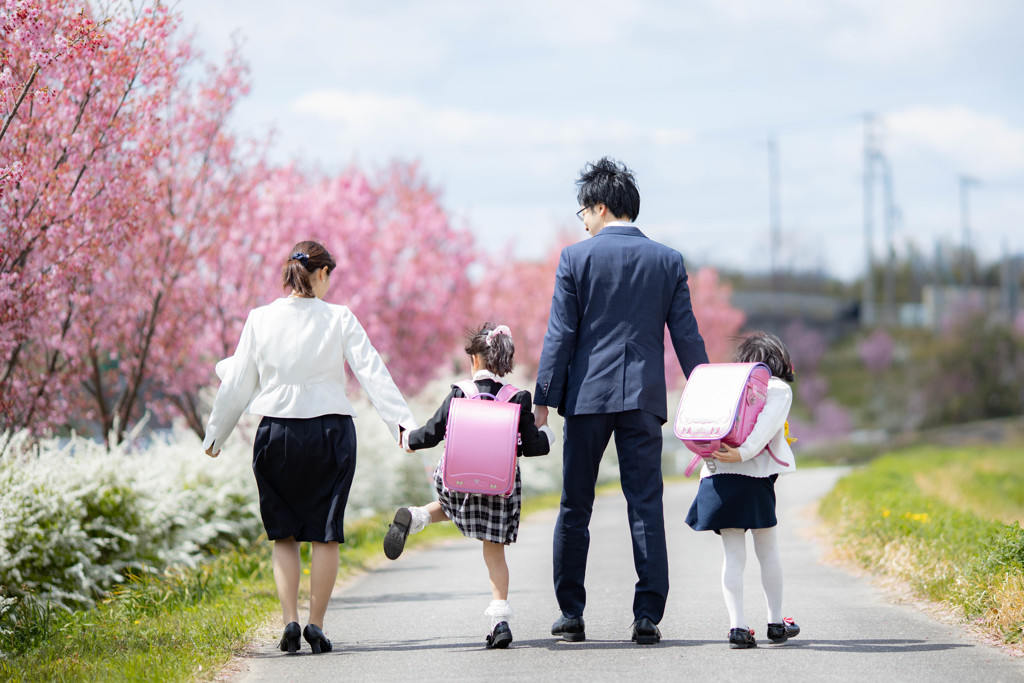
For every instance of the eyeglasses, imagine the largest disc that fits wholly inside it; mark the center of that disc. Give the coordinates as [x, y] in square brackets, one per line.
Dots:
[579, 214]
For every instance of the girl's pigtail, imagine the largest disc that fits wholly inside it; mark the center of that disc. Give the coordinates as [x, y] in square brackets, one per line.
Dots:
[500, 355]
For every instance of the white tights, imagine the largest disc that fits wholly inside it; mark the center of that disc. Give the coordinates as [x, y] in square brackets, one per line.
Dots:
[766, 547]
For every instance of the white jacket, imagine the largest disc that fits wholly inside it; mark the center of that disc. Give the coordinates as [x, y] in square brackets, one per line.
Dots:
[768, 430]
[290, 362]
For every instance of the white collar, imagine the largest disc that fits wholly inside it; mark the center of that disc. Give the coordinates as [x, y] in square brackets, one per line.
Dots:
[485, 374]
[626, 224]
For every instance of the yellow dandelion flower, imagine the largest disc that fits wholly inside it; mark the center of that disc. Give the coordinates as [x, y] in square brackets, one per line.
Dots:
[885, 512]
[789, 439]
[305, 571]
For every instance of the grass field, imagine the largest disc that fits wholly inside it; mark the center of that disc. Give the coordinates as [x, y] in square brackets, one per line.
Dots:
[947, 522]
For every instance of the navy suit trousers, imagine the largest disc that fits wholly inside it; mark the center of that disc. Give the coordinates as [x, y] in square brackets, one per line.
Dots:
[638, 441]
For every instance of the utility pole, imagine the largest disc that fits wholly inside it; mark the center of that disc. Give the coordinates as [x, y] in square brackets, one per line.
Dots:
[774, 210]
[867, 311]
[892, 217]
[965, 225]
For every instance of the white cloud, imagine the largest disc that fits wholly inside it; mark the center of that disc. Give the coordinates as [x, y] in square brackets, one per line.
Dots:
[872, 32]
[981, 144]
[368, 117]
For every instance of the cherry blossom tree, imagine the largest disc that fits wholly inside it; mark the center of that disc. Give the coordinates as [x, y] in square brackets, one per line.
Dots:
[147, 347]
[77, 94]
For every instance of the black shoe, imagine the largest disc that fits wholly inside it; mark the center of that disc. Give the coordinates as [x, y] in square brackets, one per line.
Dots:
[500, 637]
[780, 633]
[394, 540]
[317, 640]
[645, 632]
[570, 628]
[741, 638]
[290, 639]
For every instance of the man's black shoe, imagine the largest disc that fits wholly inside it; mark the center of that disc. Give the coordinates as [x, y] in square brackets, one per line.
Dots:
[570, 628]
[645, 632]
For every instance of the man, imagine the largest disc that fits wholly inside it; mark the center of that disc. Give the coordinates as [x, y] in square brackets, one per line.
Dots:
[603, 367]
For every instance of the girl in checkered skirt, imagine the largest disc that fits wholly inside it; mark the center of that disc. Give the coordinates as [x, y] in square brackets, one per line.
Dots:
[492, 519]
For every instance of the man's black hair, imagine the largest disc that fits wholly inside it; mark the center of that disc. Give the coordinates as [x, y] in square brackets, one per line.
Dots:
[609, 182]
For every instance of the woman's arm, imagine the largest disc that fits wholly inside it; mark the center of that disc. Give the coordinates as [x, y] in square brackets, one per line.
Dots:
[374, 378]
[239, 384]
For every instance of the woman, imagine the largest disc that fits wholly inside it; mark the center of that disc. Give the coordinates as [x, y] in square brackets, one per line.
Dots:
[289, 367]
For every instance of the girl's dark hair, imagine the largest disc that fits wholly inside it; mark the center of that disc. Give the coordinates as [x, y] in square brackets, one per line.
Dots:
[611, 183]
[306, 258]
[765, 347]
[498, 353]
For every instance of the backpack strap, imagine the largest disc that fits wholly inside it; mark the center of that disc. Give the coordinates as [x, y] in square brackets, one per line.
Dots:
[468, 387]
[775, 457]
[506, 393]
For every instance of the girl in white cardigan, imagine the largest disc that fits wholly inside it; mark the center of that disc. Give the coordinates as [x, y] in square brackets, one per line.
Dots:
[740, 495]
[289, 367]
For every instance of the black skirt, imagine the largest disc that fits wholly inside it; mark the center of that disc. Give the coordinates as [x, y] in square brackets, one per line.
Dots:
[304, 470]
[733, 501]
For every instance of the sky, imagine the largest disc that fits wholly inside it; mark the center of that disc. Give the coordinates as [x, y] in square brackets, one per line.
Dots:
[502, 104]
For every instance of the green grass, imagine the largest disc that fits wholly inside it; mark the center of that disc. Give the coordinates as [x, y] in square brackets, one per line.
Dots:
[945, 521]
[170, 626]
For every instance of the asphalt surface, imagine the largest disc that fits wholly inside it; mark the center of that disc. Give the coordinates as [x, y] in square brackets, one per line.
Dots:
[420, 618]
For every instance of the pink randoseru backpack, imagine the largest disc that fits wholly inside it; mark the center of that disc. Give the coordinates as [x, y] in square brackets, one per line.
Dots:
[720, 403]
[480, 442]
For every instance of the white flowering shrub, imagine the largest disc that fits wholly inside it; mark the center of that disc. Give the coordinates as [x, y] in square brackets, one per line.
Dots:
[74, 516]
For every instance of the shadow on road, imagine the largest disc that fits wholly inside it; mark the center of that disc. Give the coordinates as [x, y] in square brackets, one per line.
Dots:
[875, 646]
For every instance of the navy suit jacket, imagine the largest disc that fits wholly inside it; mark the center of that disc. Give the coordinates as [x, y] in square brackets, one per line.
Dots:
[604, 350]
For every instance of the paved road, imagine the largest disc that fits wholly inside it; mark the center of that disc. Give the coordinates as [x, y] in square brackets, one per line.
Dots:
[419, 618]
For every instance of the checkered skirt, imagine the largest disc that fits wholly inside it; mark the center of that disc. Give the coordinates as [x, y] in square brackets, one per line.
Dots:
[488, 518]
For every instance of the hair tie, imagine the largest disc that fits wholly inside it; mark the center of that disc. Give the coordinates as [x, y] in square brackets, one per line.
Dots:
[300, 257]
[500, 329]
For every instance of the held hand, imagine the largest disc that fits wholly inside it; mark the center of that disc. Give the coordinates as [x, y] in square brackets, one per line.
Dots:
[540, 415]
[209, 452]
[727, 454]
[409, 450]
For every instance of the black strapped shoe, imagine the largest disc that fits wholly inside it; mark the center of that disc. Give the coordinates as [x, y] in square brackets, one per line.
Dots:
[780, 633]
[500, 637]
[741, 639]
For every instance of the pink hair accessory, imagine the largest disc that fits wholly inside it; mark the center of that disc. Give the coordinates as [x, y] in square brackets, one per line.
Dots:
[500, 329]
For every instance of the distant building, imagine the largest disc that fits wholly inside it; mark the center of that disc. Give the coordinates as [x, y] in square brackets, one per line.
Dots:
[833, 316]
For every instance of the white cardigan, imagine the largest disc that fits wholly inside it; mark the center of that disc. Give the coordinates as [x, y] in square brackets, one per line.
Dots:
[290, 362]
[768, 430]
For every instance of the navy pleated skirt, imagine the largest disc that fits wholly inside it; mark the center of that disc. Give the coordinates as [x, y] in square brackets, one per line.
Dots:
[304, 470]
[733, 501]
